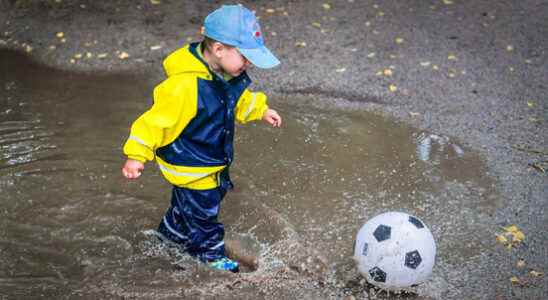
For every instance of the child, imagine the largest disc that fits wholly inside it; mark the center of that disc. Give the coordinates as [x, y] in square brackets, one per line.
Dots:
[190, 128]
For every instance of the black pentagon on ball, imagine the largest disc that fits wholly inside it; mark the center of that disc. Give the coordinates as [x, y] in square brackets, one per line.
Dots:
[377, 274]
[382, 233]
[413, 259]
[364, 249]
[416, 222]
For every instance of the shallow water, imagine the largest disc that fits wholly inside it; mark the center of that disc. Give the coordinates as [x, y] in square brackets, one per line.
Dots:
[71, 226]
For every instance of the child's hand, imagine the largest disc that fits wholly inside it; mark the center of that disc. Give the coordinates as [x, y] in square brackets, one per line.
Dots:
[132, 168]
[271, 117]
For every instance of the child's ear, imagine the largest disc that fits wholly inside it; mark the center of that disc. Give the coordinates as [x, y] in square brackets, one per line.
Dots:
[217, 49]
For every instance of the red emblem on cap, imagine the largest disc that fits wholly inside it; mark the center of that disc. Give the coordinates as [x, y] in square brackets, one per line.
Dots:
[257, 33]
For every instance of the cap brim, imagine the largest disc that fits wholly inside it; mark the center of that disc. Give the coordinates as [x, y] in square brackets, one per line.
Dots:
[260, 57]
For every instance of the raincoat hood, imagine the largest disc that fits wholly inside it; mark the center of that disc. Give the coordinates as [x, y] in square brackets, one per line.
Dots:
[183, 61]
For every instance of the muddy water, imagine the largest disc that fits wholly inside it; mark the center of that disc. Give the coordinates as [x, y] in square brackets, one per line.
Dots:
[70, 226]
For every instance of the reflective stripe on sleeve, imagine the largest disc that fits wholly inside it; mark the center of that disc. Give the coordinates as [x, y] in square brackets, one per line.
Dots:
[250, 107]
[138, 140]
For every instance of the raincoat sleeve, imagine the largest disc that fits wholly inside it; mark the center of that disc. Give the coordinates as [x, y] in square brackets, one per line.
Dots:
[251, 107]
[175, 104]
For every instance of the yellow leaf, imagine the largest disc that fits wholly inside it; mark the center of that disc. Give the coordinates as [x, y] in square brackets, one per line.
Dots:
[393, 88]
[511, 228]
[380, 14]
[123, 55]
[515, 280]
[326, 6]
[530, 103]
[520, 263]
[518, 236]
[300, 44]
[78, 55]
[451, 57]
[316, 24]
[102, 55]
[502, 239]
[509, 48]
[60, 34]
[155, 2]
[89, 55]
[270, 10]
[447, 2]
[399, 40]
[536, 274]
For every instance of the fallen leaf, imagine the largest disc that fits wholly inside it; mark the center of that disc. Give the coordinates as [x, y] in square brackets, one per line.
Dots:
[451, 57]
[520, 263]
[63, 40]
[387, 72]
[399, 40]
[414, 114]
[392, 88]
[78, 55]
[123, 55]
[273, 33]
[509, 48]
[155, 2]
[326, 6]
[435, 67]
[531, 104]
[425, 63]
[517, 235]
[367, 24]
[502, 239]
[447, 2]
[60, 34]
[155, 47]
[28, 48]
[270, 10]
[300, 44]
[515, 280]
[316, 24]
[536, 273]
[371, 55]
[528, 61]
[340, 70]
[102, 55]
[380, 13]
[89, 55]
[72, 61]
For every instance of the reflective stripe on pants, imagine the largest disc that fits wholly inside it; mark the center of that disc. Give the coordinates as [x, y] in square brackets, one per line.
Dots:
[192, 222]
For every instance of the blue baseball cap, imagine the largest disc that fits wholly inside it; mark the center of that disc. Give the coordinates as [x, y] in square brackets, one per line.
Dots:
[237, 26]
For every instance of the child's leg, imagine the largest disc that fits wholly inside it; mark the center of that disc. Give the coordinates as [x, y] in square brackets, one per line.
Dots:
[192, 221]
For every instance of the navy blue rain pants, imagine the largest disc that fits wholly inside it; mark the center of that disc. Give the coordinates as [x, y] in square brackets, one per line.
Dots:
[191, 222]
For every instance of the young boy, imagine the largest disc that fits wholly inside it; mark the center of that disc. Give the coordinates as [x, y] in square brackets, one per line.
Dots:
[190, 128]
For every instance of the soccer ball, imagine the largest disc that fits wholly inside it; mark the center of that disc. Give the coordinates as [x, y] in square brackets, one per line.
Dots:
[394, 251]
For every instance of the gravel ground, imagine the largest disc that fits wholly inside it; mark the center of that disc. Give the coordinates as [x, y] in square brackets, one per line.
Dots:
[473, 70]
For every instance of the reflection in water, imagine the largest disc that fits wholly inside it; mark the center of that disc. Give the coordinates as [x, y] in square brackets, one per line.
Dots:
[70, 226]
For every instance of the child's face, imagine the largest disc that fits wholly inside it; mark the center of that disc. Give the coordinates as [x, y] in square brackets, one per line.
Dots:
[231, 61]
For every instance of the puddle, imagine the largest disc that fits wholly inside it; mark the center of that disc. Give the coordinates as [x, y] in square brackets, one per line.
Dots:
[71, 226]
